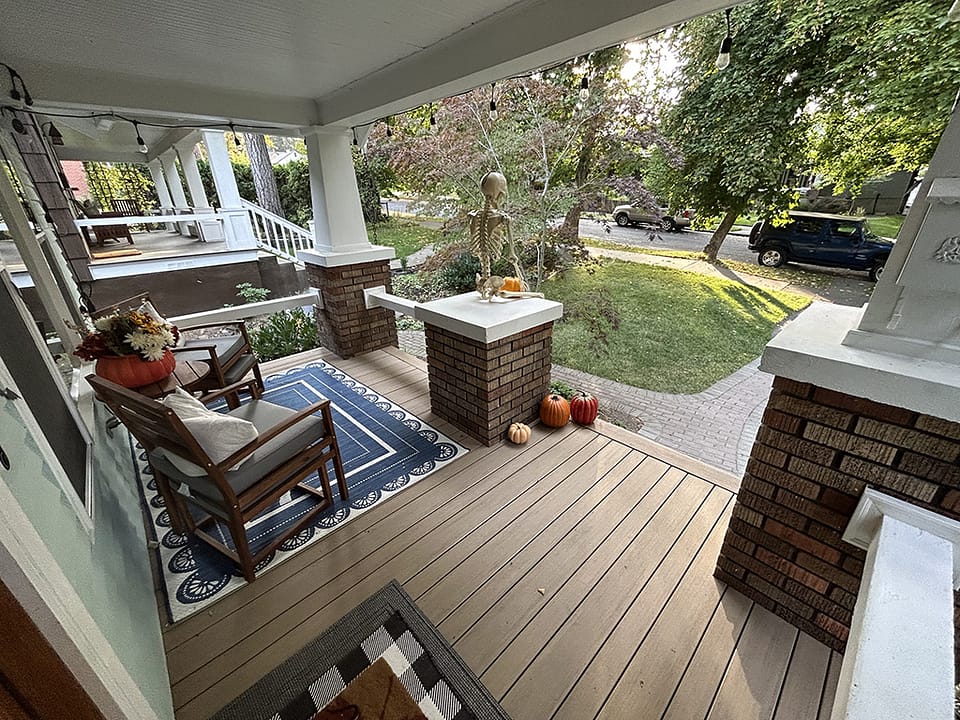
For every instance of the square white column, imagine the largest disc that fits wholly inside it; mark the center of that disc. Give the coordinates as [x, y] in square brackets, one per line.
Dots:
[236, 220]
[168, 161]
[160, 183]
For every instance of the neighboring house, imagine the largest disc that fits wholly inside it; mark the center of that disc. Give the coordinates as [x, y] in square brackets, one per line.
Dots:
[71, 539]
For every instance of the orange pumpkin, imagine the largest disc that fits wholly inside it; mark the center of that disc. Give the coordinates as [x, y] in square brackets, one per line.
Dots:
[512, 284]
[132, 371]
[554, 411]
[518, 433]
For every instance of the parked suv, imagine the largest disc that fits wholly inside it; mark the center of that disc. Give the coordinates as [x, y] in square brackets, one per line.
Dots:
[635, 214]
[821, 239]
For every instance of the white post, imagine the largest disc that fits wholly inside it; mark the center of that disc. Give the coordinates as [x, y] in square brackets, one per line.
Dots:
[168, 162]
[191, 173]
[899, 659]
[340, 235]
[236, 220]
[160, 183]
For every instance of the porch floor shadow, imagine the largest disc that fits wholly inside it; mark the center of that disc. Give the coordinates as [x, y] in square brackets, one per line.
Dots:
[574, 574]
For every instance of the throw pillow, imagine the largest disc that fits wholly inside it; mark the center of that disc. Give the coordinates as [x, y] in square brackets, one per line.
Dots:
[219, 435]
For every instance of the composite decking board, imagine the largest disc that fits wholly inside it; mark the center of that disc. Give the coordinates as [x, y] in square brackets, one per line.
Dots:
[367, 563]
[701, 678]
[638, 558]
[830, 686]
[607, 609]
[364, 544]
[803, 687]
[570, 539]
[565, 573]
[442, 584]
[643, 660]
[487, 544]
[751, 685]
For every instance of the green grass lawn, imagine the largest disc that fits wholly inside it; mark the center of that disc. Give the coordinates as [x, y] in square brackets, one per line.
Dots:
[678, 332]
[787, 274]
[886, 225]
[404, 236]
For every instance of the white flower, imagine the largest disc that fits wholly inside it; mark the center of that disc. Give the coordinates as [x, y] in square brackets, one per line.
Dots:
[103, 324]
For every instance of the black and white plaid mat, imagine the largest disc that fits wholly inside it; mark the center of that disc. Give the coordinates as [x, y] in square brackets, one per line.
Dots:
[393, 642]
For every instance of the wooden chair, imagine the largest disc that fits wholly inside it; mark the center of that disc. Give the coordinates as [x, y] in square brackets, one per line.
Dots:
[292, 445]
[230, 357]
[126, 206]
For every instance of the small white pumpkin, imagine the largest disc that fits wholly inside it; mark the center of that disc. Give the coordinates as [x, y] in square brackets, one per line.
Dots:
[518, 433]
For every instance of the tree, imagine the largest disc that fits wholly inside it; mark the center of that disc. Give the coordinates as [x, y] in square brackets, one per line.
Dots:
[263, 177]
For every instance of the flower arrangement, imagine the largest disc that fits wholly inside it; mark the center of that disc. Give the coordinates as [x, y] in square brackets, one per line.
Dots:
[127, 332]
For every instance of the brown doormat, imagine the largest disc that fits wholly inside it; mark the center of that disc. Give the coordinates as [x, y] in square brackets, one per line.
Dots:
[376, 694]
[115, 253]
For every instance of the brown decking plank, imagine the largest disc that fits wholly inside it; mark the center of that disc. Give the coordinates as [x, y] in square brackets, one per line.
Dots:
[639, 557]
[830, 686]
[594, 516]
[495, 614]
[803, 688]
[289, 612]
[412, 360]
[644, 658]
[615, 605]
[669, 455]
[440, 586]
[701, 679]
[754, 677]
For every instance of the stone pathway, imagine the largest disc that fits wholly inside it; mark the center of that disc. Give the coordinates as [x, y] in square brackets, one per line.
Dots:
[717, 426]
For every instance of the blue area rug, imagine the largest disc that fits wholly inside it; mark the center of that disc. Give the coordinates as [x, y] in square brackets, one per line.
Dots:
[384, 449]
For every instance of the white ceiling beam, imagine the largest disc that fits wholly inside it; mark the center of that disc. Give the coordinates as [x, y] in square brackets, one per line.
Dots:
[66, 152]
[516, 41]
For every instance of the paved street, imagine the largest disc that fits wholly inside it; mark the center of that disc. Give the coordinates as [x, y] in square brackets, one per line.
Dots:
[733, 248]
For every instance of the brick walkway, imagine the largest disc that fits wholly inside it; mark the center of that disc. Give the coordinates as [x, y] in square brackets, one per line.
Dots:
[717, 425]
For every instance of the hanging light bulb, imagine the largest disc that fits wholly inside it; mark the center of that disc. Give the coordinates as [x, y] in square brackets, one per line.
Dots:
[389, 129]
[433, 119]
[723, 59]
[236, 140]
[585, 87]
[141, 145]
[493, 103]
[356, 143]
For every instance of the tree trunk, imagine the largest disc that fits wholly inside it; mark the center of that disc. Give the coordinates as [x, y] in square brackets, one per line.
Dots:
[263, 178]
[713, 247]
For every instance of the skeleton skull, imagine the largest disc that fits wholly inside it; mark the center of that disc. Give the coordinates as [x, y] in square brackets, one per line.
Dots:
[494, 188]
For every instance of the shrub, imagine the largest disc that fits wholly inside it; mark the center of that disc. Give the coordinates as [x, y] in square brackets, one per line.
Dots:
[251, 294]
[285, 333]
[419, 286]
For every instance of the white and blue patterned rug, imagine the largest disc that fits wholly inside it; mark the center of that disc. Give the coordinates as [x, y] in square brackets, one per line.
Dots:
[384, 450]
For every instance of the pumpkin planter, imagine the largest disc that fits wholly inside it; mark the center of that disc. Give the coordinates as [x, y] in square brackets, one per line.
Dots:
[518, 433]
[583, 408]
[132, 371]
[512, 284]
[554, 411]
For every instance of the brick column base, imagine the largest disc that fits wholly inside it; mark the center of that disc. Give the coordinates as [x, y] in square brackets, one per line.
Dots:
[815, 453]
[346, 326]
[483, 387]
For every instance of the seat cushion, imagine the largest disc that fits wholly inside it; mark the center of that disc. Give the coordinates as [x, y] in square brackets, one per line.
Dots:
[226, 346]
[263, 415]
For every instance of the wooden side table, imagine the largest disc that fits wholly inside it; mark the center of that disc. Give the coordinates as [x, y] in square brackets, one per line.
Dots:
[186, 374]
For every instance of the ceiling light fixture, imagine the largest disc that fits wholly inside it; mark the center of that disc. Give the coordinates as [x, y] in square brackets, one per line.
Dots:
[723, 59]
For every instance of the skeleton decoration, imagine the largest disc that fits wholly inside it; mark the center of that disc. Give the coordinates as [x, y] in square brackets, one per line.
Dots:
[489, 232]
[949, 251]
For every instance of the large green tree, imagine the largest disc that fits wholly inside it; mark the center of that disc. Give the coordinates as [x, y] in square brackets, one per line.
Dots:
[851, 89]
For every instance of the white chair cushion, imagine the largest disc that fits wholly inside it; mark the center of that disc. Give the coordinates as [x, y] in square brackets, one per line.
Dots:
[219, 435]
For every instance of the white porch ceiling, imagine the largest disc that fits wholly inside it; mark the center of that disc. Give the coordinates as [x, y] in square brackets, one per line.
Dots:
[302, 62]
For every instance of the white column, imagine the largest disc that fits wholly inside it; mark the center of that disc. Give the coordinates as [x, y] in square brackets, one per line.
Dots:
[168, 161]
[899, 658]
[340, 235]
[191, 173]
[236, 220]
[160, 183]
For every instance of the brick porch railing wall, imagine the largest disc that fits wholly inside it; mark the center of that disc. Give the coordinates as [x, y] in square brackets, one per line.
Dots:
[346, 326]
[815, 453]
[483, 387]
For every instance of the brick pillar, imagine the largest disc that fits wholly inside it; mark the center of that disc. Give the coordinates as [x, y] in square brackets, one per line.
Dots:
[483, 387]
[816, 452]
[346, 326]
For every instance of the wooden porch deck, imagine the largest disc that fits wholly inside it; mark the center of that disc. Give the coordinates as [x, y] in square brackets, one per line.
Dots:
[573, 574]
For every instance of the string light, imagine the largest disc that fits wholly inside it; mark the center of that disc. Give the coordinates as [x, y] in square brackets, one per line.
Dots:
[584, 89]
[433, 119]
[356, 143]
[389, 129]
[723, 59]
[493, 103]
[236, 140]
[141, 145]
[15, 94]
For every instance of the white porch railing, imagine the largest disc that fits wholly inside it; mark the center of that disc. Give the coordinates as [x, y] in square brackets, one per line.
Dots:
[277, 235]
[245, 312]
